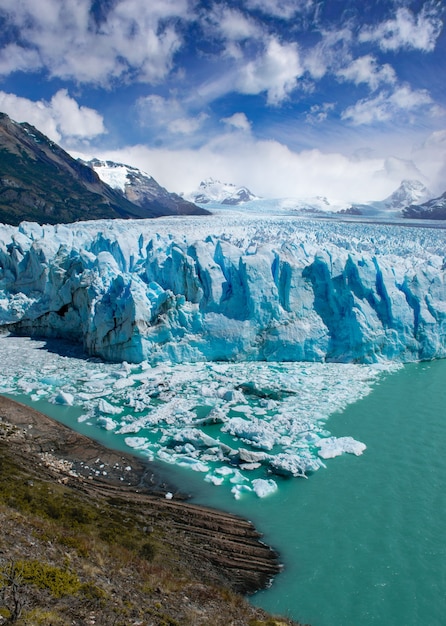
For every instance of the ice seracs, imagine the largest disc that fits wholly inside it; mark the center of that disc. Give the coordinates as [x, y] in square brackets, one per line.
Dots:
[206, 289]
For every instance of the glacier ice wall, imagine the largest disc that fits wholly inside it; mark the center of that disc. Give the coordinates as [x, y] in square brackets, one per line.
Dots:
[275, 289]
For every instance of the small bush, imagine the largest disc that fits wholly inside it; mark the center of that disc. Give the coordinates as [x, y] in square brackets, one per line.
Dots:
[147, 551]
[59, 582]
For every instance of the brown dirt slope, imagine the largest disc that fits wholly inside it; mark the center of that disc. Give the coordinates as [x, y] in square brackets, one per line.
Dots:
[121, 552]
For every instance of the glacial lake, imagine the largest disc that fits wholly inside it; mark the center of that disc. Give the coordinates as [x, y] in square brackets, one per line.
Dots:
[363, 539]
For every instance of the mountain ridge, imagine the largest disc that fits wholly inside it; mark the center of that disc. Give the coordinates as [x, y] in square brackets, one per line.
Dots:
[41, 182]
[142, 189]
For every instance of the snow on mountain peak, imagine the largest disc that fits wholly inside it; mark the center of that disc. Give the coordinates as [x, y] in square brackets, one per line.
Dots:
[212, 190]
[116, 175]
[409, 192]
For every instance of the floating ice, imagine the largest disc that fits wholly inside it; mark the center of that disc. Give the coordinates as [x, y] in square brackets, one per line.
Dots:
[63, 397]
[264, 487]
[183, 414]
[335, 446]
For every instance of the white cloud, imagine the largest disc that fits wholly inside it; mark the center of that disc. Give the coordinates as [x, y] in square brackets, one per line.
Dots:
[60, 119]
[270, 169]
[387, 106]
[14, 58]
[168, 115]
[285, 9]
[319, 112]
[276, 71]
[238, 121]
[232, 24]
[406, 30]
[332, 52]
[132, 41]
[366, 70]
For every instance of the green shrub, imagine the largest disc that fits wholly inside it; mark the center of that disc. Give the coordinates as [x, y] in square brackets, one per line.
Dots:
[59, 582]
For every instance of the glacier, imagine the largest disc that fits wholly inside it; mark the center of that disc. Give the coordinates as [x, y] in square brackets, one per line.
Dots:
[228, 287]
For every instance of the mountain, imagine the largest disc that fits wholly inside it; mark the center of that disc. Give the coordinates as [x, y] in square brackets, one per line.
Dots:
[434, 209]
[211, 190]
[142, 189]
[41, 182]
[409, 192]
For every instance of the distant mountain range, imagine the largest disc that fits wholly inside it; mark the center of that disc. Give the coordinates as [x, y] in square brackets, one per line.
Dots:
[412, 199]
[41, 182]
[211, 190]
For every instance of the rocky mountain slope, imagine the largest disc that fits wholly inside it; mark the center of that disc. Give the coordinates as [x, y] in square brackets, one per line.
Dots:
[142, 189]
[434, 209]
[40, 182]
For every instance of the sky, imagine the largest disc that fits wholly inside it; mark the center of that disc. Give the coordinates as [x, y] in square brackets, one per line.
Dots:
[291, 98]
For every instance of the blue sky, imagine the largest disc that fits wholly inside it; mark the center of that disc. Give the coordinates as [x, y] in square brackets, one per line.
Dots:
[289, 97]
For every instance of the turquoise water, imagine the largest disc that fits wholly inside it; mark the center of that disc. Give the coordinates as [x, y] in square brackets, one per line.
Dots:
[362, 541]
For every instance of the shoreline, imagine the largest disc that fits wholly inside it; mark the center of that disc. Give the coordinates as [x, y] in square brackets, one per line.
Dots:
[229, 545]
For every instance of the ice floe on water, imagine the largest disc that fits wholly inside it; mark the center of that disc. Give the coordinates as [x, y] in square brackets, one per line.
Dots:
[242, 425]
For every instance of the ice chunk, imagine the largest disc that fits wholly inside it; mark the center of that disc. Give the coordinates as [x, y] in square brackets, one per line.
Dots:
[239, 490]
[109, 409]
[63, 397]
[263, 487]
[107, 423]
[335, 446]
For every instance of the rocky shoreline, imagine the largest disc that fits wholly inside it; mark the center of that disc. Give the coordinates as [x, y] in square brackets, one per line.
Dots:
[220, 546]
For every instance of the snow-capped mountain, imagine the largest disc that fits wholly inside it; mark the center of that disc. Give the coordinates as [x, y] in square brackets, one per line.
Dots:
[408, 193]
[142, 189]
[41, 182]
[434, 209]
[211, 190]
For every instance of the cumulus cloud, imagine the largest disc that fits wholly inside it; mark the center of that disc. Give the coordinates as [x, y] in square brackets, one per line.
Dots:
[275, 72]
[60, 119]
[15, 58]
[407, 30]
[387, 106]
[238, 121]
[366, 70]
[134, 39]
[232, 24]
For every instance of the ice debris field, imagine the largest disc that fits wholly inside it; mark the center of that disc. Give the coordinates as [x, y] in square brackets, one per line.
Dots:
[242, 425]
